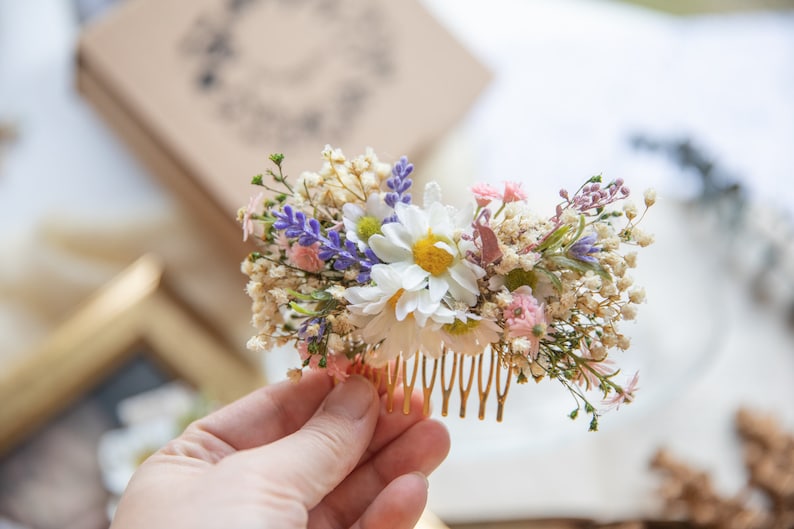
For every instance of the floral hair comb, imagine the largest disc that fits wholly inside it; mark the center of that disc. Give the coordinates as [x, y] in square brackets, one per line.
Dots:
[361, 279]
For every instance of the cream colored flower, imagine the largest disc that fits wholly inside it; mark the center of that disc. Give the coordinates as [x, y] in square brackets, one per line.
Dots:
[469, 334]
[397, 314]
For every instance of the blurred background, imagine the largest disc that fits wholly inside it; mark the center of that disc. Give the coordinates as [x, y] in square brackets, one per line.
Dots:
[693, 98]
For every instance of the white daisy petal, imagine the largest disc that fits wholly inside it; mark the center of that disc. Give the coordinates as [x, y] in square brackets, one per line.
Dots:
[413, 276]
[405, 305]
[413, 220]
[438, 287]
[386, 250]
[464, 277]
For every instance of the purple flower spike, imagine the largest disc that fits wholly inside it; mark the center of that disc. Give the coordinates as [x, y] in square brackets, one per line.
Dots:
[308, 232]
[581, 249]
[399, 183]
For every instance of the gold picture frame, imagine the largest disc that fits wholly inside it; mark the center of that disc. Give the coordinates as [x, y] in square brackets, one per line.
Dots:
[136, 313]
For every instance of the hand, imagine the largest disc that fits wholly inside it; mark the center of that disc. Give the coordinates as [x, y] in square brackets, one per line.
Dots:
[291, 456]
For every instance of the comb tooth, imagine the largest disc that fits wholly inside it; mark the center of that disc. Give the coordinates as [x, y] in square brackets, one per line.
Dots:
[408, 388]
[377, 377]
[465, 389]
[501, 395]
[446, 391]
[397, 372]
[427, 389]
[485, 392]
[392, 374]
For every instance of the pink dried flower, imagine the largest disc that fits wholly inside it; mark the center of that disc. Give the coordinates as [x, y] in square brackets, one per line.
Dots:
[306, 257]
[253, 207]
[303, 352]
[624, 395]
[484, 194]
[526, 318]
[588, 376]
[513, 192]
[336, 365]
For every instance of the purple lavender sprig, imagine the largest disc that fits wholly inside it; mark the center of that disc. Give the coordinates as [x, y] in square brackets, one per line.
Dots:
[399, 183]
[308, 232]
[594, 197]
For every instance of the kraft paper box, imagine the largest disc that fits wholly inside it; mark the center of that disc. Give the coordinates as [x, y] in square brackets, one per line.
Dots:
[204, 90]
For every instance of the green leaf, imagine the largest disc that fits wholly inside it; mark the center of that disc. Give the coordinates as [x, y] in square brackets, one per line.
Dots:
[562, 261]
[553, 240]
[298, 295]
[552, 277]
[321, 295]
[302, 310]
[579, 230]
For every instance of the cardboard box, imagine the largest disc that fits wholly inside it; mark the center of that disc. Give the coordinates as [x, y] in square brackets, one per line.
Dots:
[204, 90]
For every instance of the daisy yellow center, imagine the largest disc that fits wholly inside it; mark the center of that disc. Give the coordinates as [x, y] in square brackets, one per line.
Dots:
[458, 327]
[431, 258]
[367, 226]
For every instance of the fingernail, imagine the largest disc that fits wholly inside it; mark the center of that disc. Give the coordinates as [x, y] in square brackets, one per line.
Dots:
[421, 475]
[351, 398]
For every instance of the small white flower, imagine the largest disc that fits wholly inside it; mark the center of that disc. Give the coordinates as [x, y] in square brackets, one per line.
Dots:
[259, 343]
[337, 292]
[629, 311]
[630, 209]
[650, 197]
[362, 223]
[637, 295]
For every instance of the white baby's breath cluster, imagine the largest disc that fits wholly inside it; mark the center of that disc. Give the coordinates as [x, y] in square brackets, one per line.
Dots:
[353, 272]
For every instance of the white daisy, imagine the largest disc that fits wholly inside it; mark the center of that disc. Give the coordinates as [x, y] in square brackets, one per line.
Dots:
[468, 334]
[397, 313]
[362, 223]
[424, 240]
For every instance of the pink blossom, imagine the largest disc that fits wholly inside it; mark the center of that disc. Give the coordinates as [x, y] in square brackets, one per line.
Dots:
[335, 365]
[588, 376]
[526, 318]
[484, 194]
[306, 257]
[513, 192]
[624, 395]
[303, 352]
[252, 209]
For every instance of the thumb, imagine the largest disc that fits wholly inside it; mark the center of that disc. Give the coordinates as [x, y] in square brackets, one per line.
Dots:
[311, 462]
